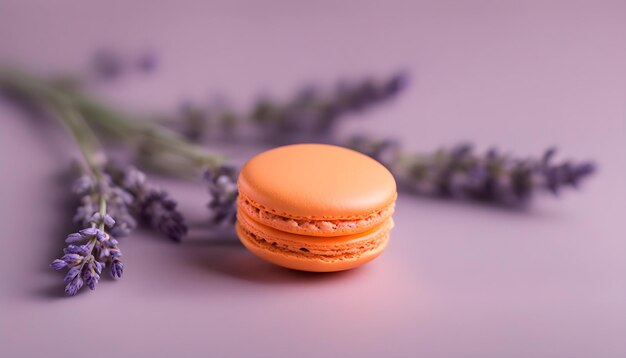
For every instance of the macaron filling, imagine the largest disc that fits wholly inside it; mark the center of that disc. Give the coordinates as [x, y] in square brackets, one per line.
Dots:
[323, 249]
[314, 227]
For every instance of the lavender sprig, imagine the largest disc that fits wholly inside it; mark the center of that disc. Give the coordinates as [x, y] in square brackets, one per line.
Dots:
[311, 113]
[461, 173]
[314, 111]
[105, 211]
[118, 200]
[146, 201]
[151, 204]
[222, 183]
[89, 250]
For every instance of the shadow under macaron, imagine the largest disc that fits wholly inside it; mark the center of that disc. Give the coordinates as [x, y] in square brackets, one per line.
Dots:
[235, 261]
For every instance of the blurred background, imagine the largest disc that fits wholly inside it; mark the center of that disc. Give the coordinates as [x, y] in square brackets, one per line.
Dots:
[458, 279]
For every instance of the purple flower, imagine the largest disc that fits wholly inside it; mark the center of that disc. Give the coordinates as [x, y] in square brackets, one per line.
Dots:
[313, 111]
[117, 269]
[395, 84]
[108, 65]
[72, 259]
[118, 217]
[90, 276]
[98, 219]
[58, 264]
[74, 285]
[114, 252]
[152, 205]
[82, 185]
[89, 232]
[148, 62]
[71, 274]
[108, 221]
[85, 261]
[491, 177]
[74, 237]
[160, 212]
[75, 249]
[98, 266]
[309, 115]
[223, 194]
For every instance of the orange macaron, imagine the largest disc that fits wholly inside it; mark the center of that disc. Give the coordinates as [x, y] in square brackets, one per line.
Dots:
[315, 207]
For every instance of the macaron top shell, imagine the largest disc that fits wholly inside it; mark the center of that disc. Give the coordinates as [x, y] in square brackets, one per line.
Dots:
[317, 182]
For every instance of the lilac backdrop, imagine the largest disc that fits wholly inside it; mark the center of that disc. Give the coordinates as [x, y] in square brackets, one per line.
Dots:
[457, 280]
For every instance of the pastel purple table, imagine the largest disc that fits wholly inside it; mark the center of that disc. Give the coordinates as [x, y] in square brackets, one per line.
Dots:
[458, 280]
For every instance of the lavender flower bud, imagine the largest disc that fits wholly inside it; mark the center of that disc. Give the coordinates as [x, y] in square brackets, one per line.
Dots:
[71, 274]
[98, 266]
[101, 236]
[89, 276]
[72, 259]
[85, 211]
[75, 284]
[160, 211]
[82, 185]
[117, 269]
[152, 205]
[223, 194]
[108, 221]
[312, 111]
[133, 179]
[114, 252]
[492, 177]
[86, 261]
[58, 264]
[396, 84]
[89, 232]
[95, 218]
[82, 250]
[74, 237]
[148, 62]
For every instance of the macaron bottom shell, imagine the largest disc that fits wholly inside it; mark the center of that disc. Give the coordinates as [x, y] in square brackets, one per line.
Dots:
[310, 253]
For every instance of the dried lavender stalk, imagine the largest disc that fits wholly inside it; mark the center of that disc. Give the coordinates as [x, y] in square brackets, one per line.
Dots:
[312, 112]
[315, 111]
[130, 189]
[151, 204]
[222, 183]
[89, 250]
[104, 212]
[461, 173]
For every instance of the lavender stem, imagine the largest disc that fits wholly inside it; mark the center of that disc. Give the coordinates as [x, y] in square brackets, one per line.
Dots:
[36, 90]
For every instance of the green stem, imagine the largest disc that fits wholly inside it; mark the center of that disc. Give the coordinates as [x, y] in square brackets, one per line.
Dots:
[102, 210]
[83, 135]
[89, 146]
[61, 106]
[108, 119]
[157, 135]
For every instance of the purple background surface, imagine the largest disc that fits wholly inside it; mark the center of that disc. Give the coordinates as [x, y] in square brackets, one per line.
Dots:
[458, 280]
